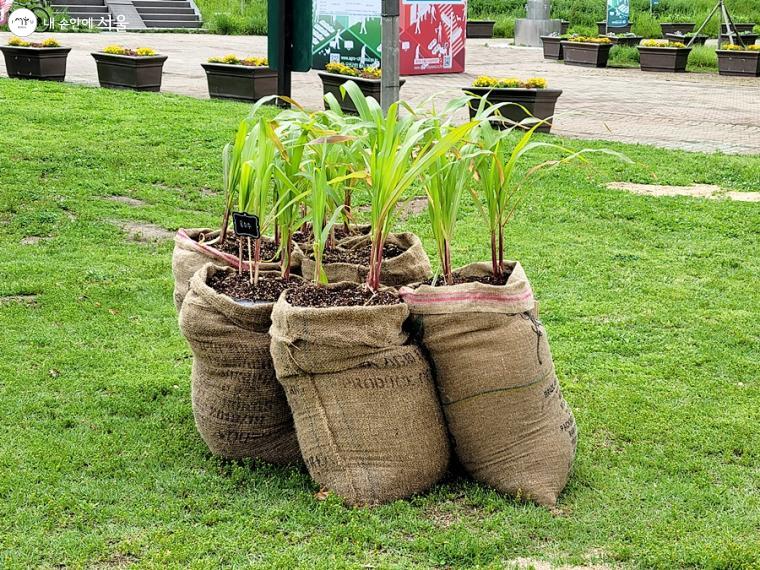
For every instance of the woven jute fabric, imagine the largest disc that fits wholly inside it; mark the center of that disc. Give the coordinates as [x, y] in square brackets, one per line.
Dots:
[510, 425]
[363, 399]
[411, 266]
[193, 248]
[240, 409]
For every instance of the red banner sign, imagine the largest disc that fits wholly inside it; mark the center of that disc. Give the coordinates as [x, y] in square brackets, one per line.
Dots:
[432, 36]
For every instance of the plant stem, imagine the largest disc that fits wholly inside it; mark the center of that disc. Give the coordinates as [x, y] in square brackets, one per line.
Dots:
[285, 263]
[225, 223]
[447, 273]
[375, 263]
[501, 249]
[256, 259]
[494, 260]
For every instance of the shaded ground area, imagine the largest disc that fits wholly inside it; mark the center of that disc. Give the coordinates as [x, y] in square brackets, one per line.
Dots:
[696, 111]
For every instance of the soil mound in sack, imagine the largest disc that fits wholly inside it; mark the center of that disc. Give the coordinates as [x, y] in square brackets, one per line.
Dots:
[363, 399]
[194, 248]
[405, 261]
[510, 425]
[239, 407]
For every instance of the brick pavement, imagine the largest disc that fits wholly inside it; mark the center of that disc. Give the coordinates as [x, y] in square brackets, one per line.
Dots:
[694, 111]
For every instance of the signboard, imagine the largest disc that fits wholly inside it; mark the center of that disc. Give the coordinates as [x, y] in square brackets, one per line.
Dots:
[432, 38]
[618, 13]
[432, 34]
[347, 32]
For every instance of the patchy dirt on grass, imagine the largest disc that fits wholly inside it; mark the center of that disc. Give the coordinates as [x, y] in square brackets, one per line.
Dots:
[28, 300]
[143, 231]
[126, 200]
[33, 240]
[532, 564]
[412, 207]
[709, 191]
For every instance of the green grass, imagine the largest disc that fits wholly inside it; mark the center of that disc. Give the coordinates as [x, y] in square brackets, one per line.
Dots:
[650, 303]
[235, 17]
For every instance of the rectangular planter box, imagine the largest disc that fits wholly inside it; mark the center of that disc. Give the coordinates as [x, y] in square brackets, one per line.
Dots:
[539, 102]
[698, 40]
[628, 41]
[240, 82]
[749, 39]
[331, 83]
[564, 26]
[672, 28]
[743, 27]
[480, 28]
[130, 72]
[739, 63]
[602, 29]
[48, 64]
[586, 55]
[552, 47]
[665, 59]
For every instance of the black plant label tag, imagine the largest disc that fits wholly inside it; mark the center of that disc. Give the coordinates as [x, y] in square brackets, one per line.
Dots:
[246, 225]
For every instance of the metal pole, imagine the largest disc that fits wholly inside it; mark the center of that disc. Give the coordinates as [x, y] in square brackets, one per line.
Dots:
[284, 55]
[730, 27]
[389, 81]
[702, 27]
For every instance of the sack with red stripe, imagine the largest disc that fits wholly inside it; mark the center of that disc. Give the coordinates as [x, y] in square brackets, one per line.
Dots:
[510, 425]
[194, 248]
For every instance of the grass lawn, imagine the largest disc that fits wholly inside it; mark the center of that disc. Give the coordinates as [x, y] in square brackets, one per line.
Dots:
[651, 305]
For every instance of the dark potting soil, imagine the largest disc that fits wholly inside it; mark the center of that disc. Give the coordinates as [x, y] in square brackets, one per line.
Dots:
[340, 233]
[310, 295]
[485, 279]
[358, 256]
[268, 249]
[239, 287]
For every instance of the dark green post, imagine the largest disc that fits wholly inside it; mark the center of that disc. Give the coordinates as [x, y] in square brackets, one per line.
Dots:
[289, 40]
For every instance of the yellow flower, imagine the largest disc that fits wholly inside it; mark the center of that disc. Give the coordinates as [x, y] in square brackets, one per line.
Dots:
[145, 52]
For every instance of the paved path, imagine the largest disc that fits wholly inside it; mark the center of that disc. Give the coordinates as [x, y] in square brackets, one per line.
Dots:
[695, 111]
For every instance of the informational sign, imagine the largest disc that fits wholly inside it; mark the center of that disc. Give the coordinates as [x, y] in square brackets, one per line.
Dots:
[618, 13]
[432, 36]
[347, 32]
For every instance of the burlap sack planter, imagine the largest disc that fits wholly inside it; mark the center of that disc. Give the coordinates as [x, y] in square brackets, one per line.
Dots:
[193, 248]
[509, 423]
[363, 400]
[239, 407]
[411, 266]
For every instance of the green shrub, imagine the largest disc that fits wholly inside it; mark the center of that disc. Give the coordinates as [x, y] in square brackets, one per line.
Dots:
[703, 58]
[623, 56]
[504, 27]
[646, 25]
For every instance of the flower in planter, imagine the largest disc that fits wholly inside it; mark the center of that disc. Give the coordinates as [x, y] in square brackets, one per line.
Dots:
[734, 47]
[662, 44]
[232, 59]
[590, 40]
[510, 83]
[121, 50]
[366, 73]
[47, 43]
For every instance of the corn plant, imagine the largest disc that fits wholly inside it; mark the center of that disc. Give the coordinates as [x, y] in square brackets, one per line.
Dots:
[502, 184]
[398, 153]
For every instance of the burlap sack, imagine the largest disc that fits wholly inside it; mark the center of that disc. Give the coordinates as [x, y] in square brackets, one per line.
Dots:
[411, 266]
[190, 254]
[239, 407]
[510, 425]
[367, 416]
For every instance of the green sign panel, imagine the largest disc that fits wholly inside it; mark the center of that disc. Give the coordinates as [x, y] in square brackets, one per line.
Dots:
[348, 32]
[300, 33]
[618, 13]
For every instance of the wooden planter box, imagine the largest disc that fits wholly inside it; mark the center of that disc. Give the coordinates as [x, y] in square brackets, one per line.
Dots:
[739, 63]
[552, 47]
[331, 83]
[540, 103]
[698, 40]
[130, 72]
[749, 39]
[743, 27]
[240, 82]
[480, 28]
[602, 29]
[36, 63]
[665, 59]
[628, 41]
[585, 54]
[672, 28]
[564, 26]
